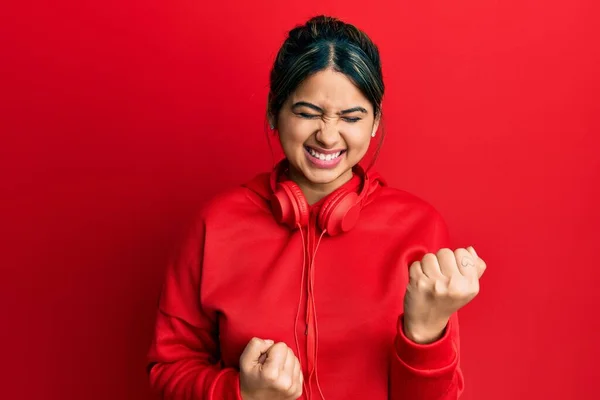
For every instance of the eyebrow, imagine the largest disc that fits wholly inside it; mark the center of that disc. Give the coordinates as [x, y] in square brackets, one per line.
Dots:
[319, 109]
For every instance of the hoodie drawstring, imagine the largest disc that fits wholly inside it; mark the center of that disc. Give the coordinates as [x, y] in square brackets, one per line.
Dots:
[315, 313]
[311, 310]
[298, 352]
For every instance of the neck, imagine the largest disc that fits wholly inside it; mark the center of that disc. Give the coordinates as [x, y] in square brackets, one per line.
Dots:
[313, 192]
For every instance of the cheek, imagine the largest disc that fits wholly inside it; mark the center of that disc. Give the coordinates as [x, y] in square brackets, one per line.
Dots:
[293, 134]
[290, 142]
[358, 138]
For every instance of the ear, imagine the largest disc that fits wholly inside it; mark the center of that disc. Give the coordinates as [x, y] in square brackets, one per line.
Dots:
[270, 117]
[271, 120]
[376, 124]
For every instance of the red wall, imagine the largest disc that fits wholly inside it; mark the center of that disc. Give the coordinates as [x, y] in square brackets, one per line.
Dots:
[119, 118]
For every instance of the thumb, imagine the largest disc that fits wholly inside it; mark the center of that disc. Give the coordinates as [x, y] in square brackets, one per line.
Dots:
[471, 250]
[256, 347]
[480, 265]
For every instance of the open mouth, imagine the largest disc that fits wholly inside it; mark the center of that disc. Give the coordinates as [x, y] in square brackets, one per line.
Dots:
[324, 157]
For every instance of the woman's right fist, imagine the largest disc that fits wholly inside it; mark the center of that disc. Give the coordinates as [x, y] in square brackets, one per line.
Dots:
[269, 371]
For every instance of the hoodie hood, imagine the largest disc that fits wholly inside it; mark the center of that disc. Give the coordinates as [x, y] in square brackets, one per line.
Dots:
[264, 185]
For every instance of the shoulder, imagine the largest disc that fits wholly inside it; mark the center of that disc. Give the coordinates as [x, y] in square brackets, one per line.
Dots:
[232, 207]
[397, 203]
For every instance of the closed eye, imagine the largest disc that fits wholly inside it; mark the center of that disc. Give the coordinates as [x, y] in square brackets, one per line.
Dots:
[309, 116]
[313, 116]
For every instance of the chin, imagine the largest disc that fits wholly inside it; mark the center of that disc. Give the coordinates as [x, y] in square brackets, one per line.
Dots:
[324, 176]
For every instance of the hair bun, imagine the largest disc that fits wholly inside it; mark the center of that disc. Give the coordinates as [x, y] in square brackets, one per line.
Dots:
[320, 43]
[324, 26]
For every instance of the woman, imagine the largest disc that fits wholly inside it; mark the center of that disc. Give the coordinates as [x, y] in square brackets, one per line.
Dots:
[316, 280]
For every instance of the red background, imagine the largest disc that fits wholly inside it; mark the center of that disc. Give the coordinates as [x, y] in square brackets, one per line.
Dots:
[119, 118]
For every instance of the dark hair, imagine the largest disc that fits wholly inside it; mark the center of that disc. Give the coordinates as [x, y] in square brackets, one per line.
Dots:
[326, 42]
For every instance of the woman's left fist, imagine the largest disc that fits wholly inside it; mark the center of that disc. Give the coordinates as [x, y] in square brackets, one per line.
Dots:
[439, 285]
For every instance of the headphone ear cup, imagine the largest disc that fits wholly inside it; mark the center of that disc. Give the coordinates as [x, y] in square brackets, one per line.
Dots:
[340, 213]
[300, 203]
[289, 205]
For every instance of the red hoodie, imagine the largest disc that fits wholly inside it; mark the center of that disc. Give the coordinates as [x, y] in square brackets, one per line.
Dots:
[337, 301]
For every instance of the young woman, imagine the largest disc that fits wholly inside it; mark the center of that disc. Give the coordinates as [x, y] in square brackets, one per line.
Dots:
[316, 280]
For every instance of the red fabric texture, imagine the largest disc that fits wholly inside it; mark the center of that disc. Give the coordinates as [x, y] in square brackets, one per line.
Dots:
[240, 274]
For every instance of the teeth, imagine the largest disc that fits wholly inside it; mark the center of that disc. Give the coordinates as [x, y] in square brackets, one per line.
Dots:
[324, 157]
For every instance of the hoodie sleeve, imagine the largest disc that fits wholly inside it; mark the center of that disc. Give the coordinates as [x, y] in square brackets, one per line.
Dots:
[183, 360]
[428, 371]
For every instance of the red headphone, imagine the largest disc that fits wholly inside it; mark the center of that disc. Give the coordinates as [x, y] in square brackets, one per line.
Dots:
[339, 213]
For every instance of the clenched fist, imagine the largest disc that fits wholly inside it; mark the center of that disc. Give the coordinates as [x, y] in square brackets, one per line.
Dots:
[269, 371]
[438, 286]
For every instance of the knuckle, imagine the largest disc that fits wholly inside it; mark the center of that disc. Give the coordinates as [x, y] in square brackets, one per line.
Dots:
[270, 375]
[456, 290]
[444, 250]
[414, 270]
[464, 258]
[429, 257]
[440, 288]
[280, 346]
[284, 383]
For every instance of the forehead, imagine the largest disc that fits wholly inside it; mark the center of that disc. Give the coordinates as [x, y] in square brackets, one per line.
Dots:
[329, 90]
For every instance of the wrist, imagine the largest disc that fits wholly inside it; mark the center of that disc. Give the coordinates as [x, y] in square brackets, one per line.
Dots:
[244, 395]
[424, 333]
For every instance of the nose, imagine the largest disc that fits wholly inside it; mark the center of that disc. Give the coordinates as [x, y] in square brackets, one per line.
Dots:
[328, 135]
